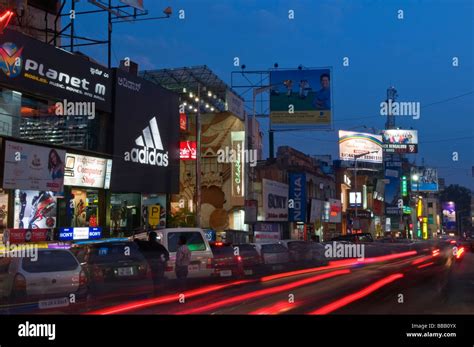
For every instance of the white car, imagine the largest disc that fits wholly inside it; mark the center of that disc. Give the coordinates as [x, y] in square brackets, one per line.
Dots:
[49, 280]
[201, 253]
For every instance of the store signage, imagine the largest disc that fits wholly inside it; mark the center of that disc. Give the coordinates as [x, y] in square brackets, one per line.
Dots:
[154, 214]
[81, 233]
[347, 181]
[33, 66]
[316, 213]
[404, 186]
[146, 153]
[263, 237]
[275, 201]
[237, 166]
[234, 104]
[187, 150]
[267, 227]
[297, 196]
[33, 167]
[27, 235]
[85, 171]
[182, 121]
[449, 216]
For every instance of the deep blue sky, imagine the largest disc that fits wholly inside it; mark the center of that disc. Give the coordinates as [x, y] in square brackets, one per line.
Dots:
[413, 54]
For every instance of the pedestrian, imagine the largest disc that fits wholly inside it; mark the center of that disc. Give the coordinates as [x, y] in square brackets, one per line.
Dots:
[183, 258]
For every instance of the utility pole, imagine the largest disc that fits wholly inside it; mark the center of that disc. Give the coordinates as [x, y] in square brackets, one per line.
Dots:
[198, 160]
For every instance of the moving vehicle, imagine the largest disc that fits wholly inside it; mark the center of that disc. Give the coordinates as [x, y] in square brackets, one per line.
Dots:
[201, 253]
[48, 280]
[251, 260]
[273, 255]
[356, 238]
[225, 262]
[114, 268]
[299, 251]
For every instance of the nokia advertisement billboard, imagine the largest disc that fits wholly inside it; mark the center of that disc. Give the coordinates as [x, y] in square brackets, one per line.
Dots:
[146, 137]
[30, 65]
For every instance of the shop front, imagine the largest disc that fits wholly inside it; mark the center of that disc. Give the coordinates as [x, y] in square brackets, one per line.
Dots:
[146, 155]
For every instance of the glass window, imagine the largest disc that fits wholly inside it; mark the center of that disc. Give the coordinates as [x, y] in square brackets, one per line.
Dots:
[274, 248]
[194, 241]
[125, 213]
[50, 261]
[114, 252]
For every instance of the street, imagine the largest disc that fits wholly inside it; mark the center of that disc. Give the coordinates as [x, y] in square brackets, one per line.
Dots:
[371, 288]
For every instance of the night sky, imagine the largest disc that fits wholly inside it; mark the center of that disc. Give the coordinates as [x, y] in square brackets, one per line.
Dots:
[414, 54]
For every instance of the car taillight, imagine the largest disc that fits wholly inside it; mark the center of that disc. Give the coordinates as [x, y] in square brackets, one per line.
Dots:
[19, 285]
[97, 273]
[82, 279]
[209, 264]
[239, 258]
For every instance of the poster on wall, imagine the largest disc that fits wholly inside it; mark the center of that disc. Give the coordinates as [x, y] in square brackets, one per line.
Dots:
[33, 167]
[275, 201]
[84, 171]
[3, 210]
[34, 209]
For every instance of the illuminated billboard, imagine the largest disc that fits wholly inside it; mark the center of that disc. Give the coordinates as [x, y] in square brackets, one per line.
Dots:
[400, 141]
[301, 97]
[366, 147]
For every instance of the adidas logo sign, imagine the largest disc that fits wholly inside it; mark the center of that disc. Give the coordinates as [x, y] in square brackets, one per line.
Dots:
[152, 151]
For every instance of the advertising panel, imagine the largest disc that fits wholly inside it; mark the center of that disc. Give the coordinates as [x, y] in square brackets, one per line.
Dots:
[298, 196]
[400, 141]
[299, 98]
[449, 216]
[80, 233]
[316, 211]
[146, 146]
[354, 143]
[275, 201]
[34, 209]
[27, 235]
[335, 212]
[237, 167]
[392, 190]
[33, 167]
[427, 180]
[187, 150]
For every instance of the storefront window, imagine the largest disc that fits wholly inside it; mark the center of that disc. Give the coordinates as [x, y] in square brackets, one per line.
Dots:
[35, 209]
[84, 208]
[125, 213]
[3, 211]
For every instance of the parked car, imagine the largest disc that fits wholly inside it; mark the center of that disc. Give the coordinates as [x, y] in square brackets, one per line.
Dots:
[114, 269]
[318, 253]
[356, 238]
[48, 281]
[299, 251]
[251, 260]
[225, 262]
[273, 255]
[201, 253]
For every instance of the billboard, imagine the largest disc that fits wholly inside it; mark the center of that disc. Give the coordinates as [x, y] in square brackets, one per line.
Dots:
[30, 65]
[449, 216]
[316, 211]
[427, 179]
[85, 171]
[146, 137]
[354, 143]
[33, 167]
[237, 167]
[299, 98]
[400, 141]
[298, 195]
[275, 201]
